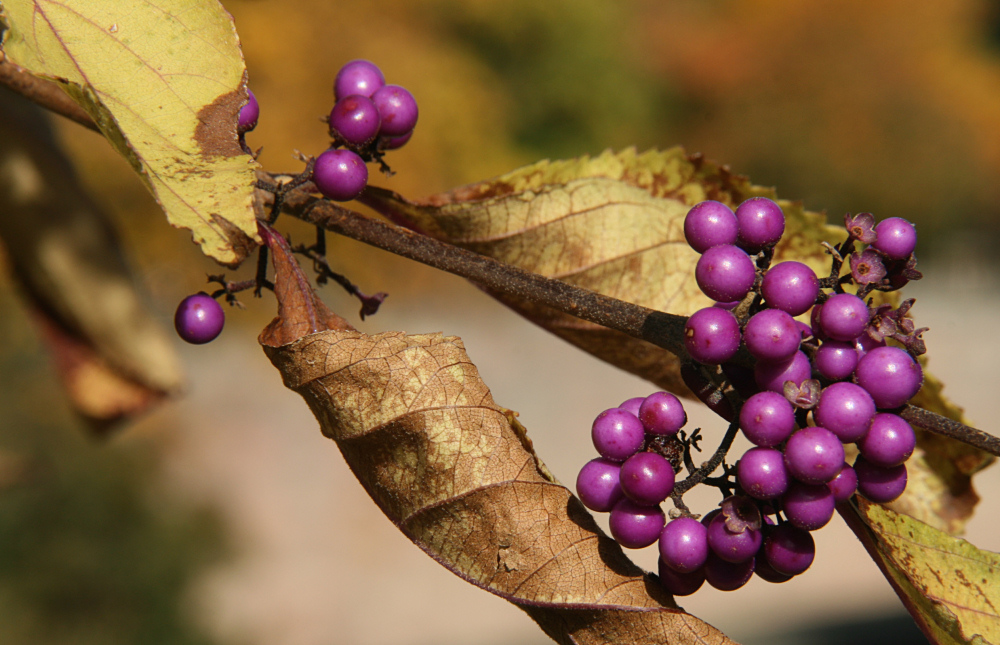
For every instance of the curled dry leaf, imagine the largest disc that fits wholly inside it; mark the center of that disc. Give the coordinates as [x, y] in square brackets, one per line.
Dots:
[168, 104]
[948, 585]
[614, 224]
[446, 464]
[113, 357]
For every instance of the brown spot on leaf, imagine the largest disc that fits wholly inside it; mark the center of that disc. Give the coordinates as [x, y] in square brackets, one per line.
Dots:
[216, 130]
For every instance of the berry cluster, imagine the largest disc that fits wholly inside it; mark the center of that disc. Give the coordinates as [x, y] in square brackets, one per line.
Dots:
[812, 388]
[368, 119]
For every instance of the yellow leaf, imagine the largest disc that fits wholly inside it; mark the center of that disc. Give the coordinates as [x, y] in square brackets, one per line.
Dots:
[164, 82]
[951, 587]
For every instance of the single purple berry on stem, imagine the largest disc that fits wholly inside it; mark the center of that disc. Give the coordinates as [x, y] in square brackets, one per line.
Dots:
[844, 316]
[709, 223]
[730, 546]
[890, 375]
[808, 506]
[789, 549]
[836, 360]
[394, 143]
[617, 434]
[598, 486]
[634, 526]
[398, 109]
[662, 413]
[684, 544]
[632, 405]
[791, 287]
[358, 77]
[889, 442]
[725, 273]
[199, 319]
[249, 114]
[355, 120]
[680, 584]
[647, 478]
[878, 484]
[762, 474]
[765, 571]
[727, 576]
[844, 484]
[767, 419]
[845, 409]
[896, 238]
[340, 175]
[772, 335]
[761, 223]
[712, 335]
[772, 376]
[814, 455]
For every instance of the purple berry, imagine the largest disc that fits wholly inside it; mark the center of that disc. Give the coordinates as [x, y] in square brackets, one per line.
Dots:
[647, 478]
[249, 114]
[844, 316]
[890, 375]
[808, 506]
[730, 546]
[712, 335]
[684, 544]
[880, 485]
[844, 484]
[398, 109]
[617, 434]
[680, 584]
[340, 175]
[767, 419]
[358, 77]
[761, 473]
[865, 343]
[727, 576]
[896, 238]
[791, 287]
[761, 223]
[199, 319]
[709, 224]
[765, 571]
[772, 335]
[814, 455]
[725, 273]
[836, 360]
[634, 526]
[355, 120]
[772, 376]
[597, 485]
[662, 413]
[632, 405]
[845, 409]
[789, 549]
[394, 143]
[890, 441]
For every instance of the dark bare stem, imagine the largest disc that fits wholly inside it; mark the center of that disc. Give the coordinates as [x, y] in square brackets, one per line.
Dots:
[709, 466]
[369, 304]
[45, 93]
[949, 428]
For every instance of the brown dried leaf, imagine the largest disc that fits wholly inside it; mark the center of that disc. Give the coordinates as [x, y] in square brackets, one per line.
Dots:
[456, 474]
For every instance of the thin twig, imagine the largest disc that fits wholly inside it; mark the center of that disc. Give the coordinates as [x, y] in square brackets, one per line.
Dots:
[709, 466]
[950, 428]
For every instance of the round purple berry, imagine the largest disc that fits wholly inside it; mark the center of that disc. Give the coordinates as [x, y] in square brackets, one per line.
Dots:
[355, 120]
[394, 143]
[662, 413]
[844, 316]
[789, 549]
[890, 375]
[249, 114]
[761, 223]
[808, 506]
[199, 319]
[709, 224]
[684, 544]
[730, 546]
[358, 77]
[725, 273]
[896, 238]
[340, 175]
[398, 109]
[765, 571]
[878, 484]
[647, 478]
[634, 526]
[712, 335]
[865, 343]
[761, 473]
[727, 576]
[772, 335]
[597, 485]
[617, 434]
[680, 584]
[632, 405]
[767, 419]
[836, 360]
[772, 376]
[814, 455]
[889, 442]
[844, 484]
[845, 409]
[791, 287]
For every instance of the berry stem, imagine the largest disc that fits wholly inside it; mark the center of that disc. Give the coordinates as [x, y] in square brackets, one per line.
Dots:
[709, 466]
[950, 428]
[369, 304]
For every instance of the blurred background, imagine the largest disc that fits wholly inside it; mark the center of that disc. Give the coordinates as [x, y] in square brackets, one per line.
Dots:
[224, 516]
